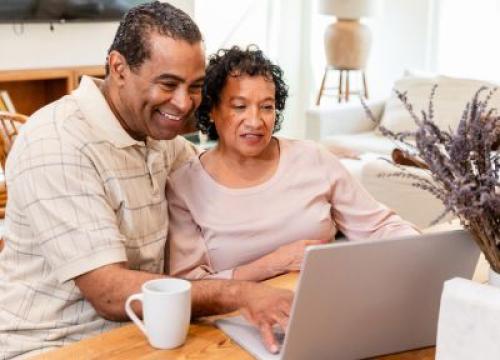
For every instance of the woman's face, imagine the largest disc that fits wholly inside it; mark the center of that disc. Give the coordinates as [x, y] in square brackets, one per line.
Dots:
[245, 116]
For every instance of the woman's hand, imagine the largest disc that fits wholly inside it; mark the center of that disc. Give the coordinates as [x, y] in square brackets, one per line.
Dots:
[284, 259]
[290, 257]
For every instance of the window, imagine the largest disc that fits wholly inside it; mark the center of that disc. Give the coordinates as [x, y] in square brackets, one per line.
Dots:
[225, 23]
[468, 39]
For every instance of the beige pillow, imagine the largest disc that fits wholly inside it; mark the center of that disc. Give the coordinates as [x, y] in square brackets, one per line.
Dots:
[450, 100]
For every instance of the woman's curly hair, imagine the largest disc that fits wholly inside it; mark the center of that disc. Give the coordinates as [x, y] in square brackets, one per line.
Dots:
[235, 62]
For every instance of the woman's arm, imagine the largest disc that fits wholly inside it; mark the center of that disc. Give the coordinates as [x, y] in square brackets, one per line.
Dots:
[284, 259]
[356, 213]
[188, 255]
[186, 250]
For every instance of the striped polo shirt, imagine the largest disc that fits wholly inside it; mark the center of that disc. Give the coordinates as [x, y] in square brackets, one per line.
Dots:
[82, 194]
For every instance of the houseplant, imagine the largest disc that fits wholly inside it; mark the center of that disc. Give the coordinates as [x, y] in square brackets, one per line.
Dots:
[464, 164]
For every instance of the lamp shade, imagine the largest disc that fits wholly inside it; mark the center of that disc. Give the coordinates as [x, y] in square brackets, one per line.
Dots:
[347, 9]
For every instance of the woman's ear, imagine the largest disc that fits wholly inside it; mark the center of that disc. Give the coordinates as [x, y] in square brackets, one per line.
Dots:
[213, 114]
[212, 130]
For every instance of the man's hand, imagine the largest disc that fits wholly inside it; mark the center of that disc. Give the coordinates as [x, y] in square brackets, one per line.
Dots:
[264, 307]
[107, 288]
[260, 304]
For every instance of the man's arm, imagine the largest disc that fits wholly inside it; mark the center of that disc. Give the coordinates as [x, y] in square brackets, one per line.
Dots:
[108, 287]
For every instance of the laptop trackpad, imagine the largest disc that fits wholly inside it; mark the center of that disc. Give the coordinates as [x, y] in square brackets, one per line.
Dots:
[247, 336]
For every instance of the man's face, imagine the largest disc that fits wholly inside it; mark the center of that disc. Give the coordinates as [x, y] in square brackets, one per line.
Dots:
[157, 98]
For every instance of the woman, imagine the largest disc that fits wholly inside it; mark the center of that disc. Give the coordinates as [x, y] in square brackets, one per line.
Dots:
[247, 208]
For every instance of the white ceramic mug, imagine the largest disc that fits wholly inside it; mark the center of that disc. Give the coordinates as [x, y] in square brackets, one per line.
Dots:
[166, 309]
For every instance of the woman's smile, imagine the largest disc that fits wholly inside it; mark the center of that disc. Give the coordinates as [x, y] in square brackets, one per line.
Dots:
[251, 138]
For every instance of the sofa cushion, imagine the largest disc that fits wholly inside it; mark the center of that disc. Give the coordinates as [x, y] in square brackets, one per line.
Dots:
[395, 192]
[450, 100]
[413, 204]
[371, 141]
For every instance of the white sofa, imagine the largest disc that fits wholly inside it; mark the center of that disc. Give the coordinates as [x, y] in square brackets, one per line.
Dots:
[347, 125]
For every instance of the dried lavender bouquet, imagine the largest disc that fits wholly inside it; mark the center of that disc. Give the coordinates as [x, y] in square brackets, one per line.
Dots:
[464, 165]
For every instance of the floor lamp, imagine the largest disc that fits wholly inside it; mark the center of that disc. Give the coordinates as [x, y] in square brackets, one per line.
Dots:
[347, 43]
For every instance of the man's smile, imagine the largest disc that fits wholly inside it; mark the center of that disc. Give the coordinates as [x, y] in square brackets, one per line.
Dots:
[169, 116]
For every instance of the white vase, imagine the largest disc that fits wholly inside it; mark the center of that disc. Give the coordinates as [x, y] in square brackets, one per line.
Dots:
[493, 278]
[469, 320]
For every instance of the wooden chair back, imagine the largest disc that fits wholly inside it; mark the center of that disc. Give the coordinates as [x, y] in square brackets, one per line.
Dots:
[10, 124]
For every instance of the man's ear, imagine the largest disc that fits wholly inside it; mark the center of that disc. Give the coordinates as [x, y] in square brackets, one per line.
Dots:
[118, 67]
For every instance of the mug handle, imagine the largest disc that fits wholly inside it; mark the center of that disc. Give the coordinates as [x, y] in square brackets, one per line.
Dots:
[131, 314]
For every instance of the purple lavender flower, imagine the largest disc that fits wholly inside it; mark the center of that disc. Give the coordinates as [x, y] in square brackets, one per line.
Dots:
[464, 164]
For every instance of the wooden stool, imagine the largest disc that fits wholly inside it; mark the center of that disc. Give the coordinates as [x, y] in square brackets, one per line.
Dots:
[343, 88]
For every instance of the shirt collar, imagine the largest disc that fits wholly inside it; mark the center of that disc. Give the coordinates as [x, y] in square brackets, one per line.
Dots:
[96, 110]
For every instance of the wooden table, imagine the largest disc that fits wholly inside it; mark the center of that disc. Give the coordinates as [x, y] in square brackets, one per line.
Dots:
[204, 341]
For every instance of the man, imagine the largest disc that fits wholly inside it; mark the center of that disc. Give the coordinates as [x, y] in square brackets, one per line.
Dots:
[87, 215]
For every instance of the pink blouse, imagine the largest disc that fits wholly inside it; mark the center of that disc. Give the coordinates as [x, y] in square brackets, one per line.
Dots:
[214, 229]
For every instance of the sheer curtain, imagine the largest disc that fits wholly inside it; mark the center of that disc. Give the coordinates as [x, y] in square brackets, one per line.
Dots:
[225, 23]
[280, 28]
[468, 39]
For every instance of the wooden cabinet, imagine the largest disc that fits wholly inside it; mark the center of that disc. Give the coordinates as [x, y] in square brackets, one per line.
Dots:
[31, 89]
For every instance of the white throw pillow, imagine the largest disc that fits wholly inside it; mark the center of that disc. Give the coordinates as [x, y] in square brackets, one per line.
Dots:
[451, 97]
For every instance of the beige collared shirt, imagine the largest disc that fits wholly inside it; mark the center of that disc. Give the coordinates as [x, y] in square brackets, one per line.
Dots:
[82, 194]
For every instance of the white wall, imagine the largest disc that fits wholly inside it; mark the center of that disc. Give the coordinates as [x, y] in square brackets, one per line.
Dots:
[72, 44]
[35, 46]
[402, 39]
[468, 39]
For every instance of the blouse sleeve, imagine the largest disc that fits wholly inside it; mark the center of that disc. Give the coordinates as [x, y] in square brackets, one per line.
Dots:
[356, 213]
[187, 253]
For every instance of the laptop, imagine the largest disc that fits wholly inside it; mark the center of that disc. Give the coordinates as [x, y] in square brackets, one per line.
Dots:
[361, 299]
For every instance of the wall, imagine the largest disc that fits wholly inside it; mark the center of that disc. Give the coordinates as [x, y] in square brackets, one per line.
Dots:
[468, 48]
[36, 46]
[403, 38]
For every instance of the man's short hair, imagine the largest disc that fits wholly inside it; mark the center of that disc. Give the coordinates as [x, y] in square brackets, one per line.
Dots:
[132, 37]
